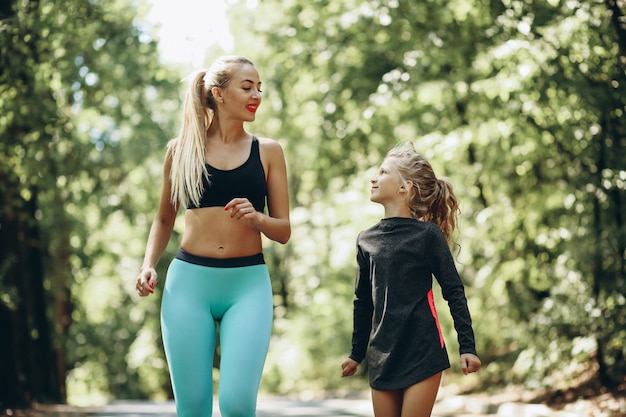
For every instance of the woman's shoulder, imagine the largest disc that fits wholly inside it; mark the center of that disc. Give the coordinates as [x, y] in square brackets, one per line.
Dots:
[171, 145]
[170, 149]
[268, 142]
[270, 147]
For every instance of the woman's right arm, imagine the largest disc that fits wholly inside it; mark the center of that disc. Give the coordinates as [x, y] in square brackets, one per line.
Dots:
[160, 232]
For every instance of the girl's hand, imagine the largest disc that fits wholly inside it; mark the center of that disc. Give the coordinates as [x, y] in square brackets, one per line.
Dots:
[349, 367]
[469, 363]
[146, 281]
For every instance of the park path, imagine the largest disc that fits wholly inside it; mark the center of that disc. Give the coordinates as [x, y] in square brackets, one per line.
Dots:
[272, 406]
[267, 407]
[449, 406]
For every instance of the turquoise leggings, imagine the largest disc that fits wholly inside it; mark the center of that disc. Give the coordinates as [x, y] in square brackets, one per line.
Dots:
[237, 294]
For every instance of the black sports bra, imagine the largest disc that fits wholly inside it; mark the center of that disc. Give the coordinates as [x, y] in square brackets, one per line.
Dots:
[247, 180]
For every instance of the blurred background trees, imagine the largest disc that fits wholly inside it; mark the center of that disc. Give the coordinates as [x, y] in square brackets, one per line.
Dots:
[84, 104]
[521, 104]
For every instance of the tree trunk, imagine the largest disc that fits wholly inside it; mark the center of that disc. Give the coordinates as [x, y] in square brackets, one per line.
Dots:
[28, 363]
[617, 18]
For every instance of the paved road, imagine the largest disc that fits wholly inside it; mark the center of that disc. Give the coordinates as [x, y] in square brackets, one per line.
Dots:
[449, 406]
[267, 407]
[274, 407]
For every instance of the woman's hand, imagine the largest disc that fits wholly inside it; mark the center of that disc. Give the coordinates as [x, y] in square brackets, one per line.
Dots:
[349, 367]
[242, 209]
[469, 363]
[146, 281]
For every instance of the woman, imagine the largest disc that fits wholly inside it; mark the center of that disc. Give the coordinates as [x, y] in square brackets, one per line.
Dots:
[394, 310]
[223, 176]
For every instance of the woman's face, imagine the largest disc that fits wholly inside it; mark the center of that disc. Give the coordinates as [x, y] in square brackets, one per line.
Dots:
[242, 96]
[387, 184]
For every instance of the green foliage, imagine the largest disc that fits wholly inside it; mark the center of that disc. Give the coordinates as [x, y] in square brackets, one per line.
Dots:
[84, 105]
[312, 337]
[521, 105]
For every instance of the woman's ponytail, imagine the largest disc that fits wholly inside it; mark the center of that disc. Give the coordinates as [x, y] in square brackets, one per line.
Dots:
[188, 149]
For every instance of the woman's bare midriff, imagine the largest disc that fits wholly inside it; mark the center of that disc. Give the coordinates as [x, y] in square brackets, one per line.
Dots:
[211, 232]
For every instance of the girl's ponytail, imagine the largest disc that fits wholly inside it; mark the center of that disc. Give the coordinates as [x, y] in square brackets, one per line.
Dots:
[432, 199]
[444, 208]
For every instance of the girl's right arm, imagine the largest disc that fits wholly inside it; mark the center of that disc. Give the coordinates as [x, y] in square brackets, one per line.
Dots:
[362, 315]
[160, 232]
[349, 367]
[363, 308]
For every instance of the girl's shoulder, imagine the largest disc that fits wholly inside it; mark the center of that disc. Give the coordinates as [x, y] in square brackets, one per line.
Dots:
[429, 229]
[401, 225]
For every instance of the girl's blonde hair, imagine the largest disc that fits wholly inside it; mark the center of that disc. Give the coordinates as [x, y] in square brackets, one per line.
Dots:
[432, 199]
[187, 150]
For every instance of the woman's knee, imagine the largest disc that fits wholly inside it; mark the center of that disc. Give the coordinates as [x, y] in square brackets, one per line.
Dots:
[199, 407]
[236, 405]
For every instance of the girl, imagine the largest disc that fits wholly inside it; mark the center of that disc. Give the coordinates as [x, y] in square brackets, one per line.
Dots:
[223, 176]
[394, 311]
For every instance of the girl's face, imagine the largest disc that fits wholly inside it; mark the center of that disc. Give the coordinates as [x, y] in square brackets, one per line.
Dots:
[242, 96]
[387, 185]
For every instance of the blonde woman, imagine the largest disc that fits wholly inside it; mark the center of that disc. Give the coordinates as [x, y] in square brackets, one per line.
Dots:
[394, 308]
[223, 177]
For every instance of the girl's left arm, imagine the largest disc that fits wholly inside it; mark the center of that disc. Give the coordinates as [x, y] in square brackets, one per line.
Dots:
[469, 363]
[443, 268]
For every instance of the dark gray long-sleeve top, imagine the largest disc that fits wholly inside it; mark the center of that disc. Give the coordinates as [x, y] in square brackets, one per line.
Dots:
[394, 308]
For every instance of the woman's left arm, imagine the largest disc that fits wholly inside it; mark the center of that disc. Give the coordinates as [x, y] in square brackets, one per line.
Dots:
[276, 225]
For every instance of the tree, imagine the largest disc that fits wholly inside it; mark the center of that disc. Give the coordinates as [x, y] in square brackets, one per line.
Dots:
[79, 80]
[522, 105]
